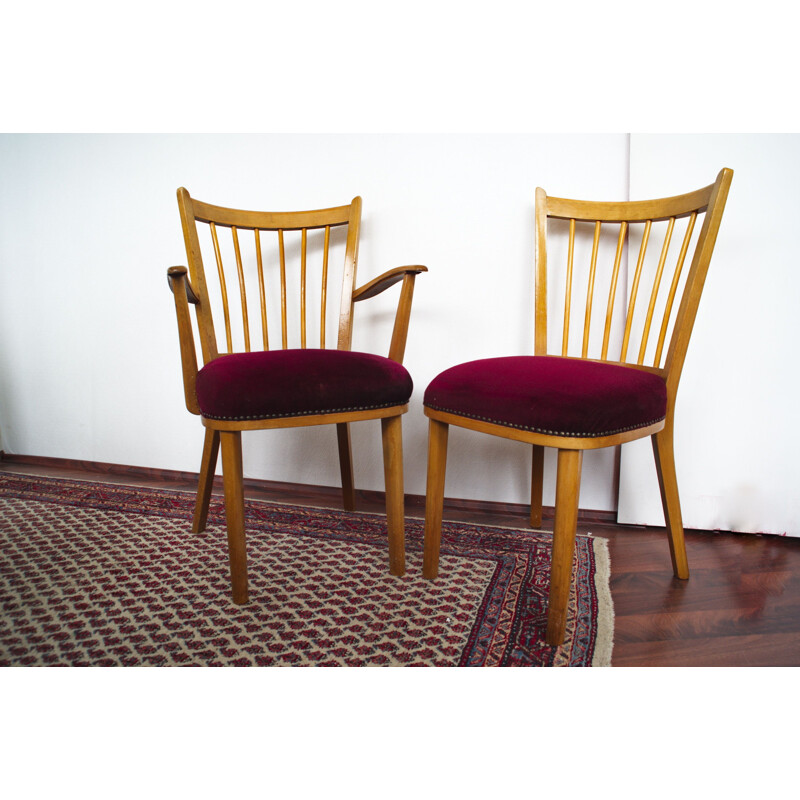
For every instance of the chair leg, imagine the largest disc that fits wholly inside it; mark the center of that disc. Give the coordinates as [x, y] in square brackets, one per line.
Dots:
[206, 482]
[234, 513]
[392, 435]
[346, 466]
[537, 481]
[568, 482]
[668, 483]
[434, 496]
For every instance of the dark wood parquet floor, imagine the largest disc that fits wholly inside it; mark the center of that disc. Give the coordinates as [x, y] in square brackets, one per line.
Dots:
[741, 606]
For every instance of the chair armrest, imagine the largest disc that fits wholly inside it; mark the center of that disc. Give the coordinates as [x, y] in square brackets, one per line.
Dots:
[174, 276]
[184, 294]
[381, 283]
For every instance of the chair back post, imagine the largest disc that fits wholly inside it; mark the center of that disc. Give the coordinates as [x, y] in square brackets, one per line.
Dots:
[205, 322]
[345, 337]
[687, 311]
[540, 282]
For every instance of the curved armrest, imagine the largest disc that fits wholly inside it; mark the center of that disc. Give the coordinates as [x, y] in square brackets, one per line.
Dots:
[174, 276]
[403, 314]
[184, 294]
[383, 282]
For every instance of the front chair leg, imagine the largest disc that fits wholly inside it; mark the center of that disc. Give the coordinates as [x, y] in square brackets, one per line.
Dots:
[568, 482]
[392, 434]
[434, 496]
[234, 512]
[206, 482]
[668, 483]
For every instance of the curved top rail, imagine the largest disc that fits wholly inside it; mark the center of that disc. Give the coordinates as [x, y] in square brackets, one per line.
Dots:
[266, 220]
[681, 205]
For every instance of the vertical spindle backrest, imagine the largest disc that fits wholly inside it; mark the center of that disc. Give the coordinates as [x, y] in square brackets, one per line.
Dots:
[269, 275]
[670, 241]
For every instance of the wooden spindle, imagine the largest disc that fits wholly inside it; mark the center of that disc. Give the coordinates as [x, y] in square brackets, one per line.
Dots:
[303, 247]
[654, 292]
[674, 287]
[223, 287]
[324, 286]
[240, 271]
[261, 291]
[284, 336]
[590, 289]
[634, 291]
[568, 299]
[612, 293]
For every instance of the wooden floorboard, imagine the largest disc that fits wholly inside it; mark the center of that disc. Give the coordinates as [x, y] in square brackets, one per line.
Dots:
[740, 607]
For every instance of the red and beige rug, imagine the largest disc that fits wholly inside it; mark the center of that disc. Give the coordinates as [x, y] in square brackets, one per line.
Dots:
[105, 575]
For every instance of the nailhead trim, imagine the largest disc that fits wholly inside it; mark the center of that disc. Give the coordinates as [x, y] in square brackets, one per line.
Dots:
[542, 430]
[307, 413]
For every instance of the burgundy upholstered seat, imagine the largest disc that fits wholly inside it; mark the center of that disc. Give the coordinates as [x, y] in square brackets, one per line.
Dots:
[551, 395]
[290, 383]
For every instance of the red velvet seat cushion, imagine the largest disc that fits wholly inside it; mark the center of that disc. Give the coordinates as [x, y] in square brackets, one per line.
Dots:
[290, 383]
[551, 395]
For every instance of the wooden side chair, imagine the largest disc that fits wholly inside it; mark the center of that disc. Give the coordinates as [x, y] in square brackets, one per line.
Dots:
[591, 400]
[255, 381]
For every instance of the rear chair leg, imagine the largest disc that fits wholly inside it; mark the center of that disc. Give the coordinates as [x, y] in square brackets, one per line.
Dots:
[537, 481]
[668, 483]
[207, 468]
[346, 466]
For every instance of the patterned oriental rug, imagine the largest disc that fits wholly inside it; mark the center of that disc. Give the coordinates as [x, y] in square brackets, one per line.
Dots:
[105, 575]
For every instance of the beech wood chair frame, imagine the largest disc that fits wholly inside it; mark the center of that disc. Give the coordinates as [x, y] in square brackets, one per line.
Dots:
[708, 202]
[192, 289]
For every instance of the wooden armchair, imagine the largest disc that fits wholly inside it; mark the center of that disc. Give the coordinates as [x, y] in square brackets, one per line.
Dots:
[589, 399]
[260, 381]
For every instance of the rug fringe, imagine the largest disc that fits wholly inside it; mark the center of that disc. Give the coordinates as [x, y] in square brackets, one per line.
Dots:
[605, 603]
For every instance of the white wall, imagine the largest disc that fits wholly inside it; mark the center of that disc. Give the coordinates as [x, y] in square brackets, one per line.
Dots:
[89, 365]
[735, 433]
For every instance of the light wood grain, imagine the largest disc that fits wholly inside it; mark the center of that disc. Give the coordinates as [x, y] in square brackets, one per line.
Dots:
[434, 497]
[346, 465]
[676, 276]
[709, 202]
[664, 453]
[303, 276]
[654, 291]
[392, 437]
[543, 439]
[262, 292]
[537, 485]
[568, 482]
[242, 292]
[284, 313]
[612, 292]
[637, 276]
[227, 433]
[208, 466]
[234, 513]
[568, 291]
[183, 294]
[324, 291]
[303, 421]
[223, 288]
[587, 323]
